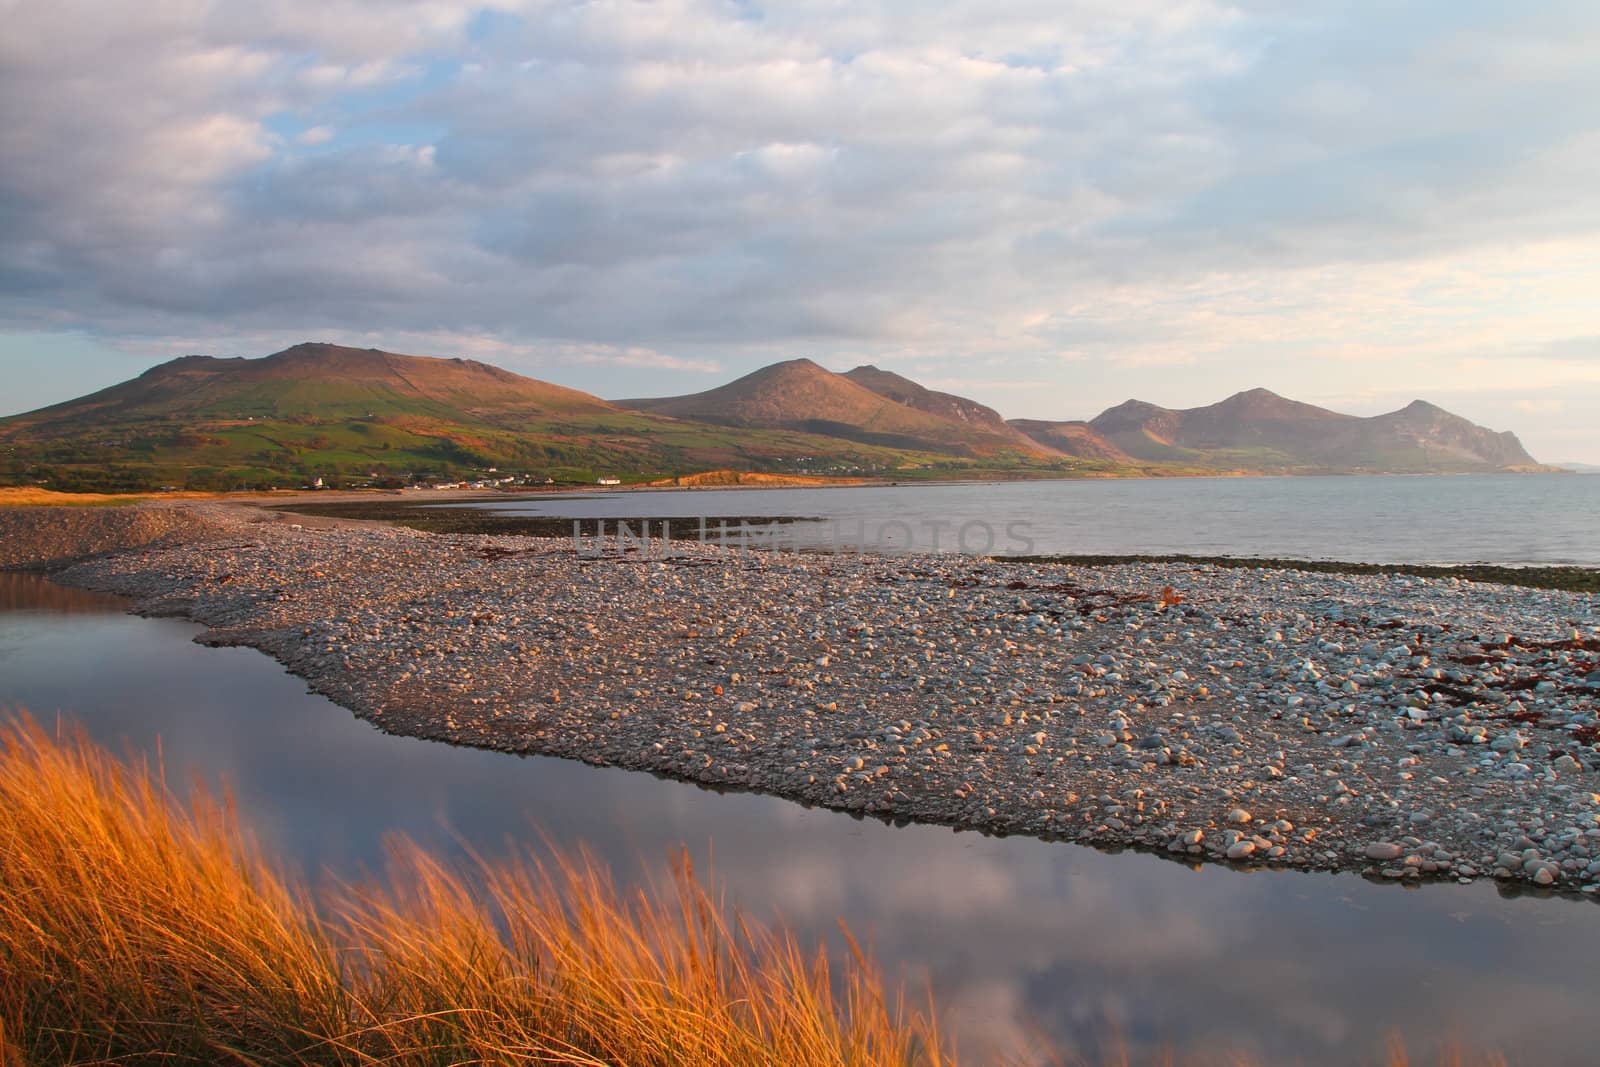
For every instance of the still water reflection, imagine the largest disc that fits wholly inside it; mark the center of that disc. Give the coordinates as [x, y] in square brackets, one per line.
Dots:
[1015, 936]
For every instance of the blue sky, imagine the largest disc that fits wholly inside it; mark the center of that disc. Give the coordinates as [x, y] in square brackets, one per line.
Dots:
[1049, 206]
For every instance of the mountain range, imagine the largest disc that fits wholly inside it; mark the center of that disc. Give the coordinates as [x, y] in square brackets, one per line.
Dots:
[1261, 430]
[341, 413]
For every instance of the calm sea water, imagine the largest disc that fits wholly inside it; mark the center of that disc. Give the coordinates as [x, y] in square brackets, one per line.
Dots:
[1014, 936]
[1512, 519]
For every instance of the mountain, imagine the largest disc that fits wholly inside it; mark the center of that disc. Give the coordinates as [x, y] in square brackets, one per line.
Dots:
[1255, 421]
[322, 410]
[1073, 438]
[1579, 468]
[1444, 438]
[903, 390]
[314, 381]
[1259, 430]
[800, 395]
[955, 409]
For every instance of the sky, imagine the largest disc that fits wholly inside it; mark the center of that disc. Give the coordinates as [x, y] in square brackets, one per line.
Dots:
[1048, 206]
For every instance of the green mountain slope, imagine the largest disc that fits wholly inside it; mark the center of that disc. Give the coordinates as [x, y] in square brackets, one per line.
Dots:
[346, 414]
[315, 381]
[318, 410]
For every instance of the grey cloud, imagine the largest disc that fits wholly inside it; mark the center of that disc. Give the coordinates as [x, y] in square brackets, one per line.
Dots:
[346, 187]
[1580, 350]
[689, 175]
[1386, 132]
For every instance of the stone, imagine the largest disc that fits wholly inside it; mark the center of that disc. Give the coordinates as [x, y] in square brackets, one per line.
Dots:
[1510, 741]
[813, 681]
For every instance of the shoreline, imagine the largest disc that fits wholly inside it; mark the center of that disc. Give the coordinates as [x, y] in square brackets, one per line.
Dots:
[258, 496]
[1220, 723]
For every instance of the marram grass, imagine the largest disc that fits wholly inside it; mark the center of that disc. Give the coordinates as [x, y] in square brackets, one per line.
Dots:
[135, 929]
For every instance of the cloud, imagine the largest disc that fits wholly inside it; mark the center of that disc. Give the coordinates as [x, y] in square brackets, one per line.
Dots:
[618, 173]
[1155, 184]
[1584, 350]
[557, 354]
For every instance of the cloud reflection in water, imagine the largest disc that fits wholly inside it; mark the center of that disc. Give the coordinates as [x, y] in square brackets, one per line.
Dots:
[1015, 936]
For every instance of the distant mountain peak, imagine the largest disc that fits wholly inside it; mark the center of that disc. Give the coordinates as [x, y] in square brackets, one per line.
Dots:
[957, 409]
[324, 350]
[868, 405]
[1265, 404]
[320, 346]
[1133, 407]
[1422, 413]
[1257, 397]
[1139, 417]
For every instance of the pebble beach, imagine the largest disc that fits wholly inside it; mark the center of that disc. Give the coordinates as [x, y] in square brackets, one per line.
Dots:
[1408, 728]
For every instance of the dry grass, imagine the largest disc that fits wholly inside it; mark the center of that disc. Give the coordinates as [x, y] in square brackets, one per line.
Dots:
[137, 929]
[29, 496]
[132, 930]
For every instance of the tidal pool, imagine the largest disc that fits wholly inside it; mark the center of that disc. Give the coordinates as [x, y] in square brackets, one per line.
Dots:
[1015, 937]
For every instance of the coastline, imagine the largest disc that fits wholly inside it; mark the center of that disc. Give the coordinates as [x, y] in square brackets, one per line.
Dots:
[1048, 699]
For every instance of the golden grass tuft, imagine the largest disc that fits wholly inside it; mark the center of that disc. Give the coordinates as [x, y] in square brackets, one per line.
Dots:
[134, 928]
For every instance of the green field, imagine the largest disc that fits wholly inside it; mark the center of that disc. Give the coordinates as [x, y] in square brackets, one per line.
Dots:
[401, 449]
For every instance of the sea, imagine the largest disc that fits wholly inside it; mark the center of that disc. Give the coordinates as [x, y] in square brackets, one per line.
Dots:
[1506, 519]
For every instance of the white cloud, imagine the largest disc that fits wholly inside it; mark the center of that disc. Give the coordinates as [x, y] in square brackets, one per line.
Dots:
[1063, 187]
